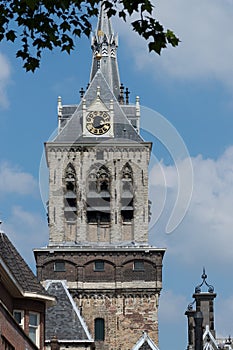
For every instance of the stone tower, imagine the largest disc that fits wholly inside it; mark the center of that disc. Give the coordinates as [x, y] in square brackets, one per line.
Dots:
[98, 208]
[204, 311]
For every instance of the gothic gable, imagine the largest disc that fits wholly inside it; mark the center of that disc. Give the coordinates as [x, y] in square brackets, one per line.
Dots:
[145, 343]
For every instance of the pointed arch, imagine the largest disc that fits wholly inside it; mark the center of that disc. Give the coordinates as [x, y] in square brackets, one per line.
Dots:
[70, 193]
[127, 193]
[103, 179]
[98, 194]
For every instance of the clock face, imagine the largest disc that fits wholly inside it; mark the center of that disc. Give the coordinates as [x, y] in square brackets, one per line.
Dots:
[98, 123]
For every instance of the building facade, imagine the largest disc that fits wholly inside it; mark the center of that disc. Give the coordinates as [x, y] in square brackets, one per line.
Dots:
[98, 213]
[22, 302]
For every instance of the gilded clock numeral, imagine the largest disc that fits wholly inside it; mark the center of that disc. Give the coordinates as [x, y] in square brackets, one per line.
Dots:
[98, 123]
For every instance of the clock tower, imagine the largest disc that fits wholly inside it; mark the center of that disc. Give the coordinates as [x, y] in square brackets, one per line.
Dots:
[98, 211]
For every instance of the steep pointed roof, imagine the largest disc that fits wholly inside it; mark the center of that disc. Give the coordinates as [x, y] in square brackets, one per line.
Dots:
[104, 47]
[72, 132]
[63, 320]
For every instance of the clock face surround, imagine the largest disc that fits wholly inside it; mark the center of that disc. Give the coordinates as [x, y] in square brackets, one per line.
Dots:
[98, 123]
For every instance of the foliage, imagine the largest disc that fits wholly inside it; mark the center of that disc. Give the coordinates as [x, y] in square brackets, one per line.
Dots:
[46, 24]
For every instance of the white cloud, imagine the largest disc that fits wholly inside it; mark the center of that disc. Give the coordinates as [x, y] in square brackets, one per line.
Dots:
[206, 49]
[26, 230]
[223, 318]
[5, 72]
[207, 227]
[14, 180]
[172, 307]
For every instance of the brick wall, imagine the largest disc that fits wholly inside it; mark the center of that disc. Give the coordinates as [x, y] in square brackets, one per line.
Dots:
[11, 332]
[126, 299]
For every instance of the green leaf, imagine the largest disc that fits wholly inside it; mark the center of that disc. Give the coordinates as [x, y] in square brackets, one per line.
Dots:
[31, 64]
[11, 36]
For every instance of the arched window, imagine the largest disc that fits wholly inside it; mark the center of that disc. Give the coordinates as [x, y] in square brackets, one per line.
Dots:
[98, 195]
[70, 200]
[127, 196]
[99, 329]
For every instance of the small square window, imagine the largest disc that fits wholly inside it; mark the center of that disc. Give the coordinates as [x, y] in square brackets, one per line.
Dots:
[19, 317]
[100, 155]
[99, 265]
[138, 265]
[59, 266]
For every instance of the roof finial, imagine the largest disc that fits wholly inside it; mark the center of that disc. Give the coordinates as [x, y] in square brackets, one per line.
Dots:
[104, 47]
[127, 92]
[82, 92]
[121, 99]
[204, 277]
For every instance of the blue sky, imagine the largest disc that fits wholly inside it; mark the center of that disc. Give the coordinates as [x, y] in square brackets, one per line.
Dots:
[192, 87]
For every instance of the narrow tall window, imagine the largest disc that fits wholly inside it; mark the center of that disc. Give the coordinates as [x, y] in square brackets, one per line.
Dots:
[98, 195]
[34, 327]
[99, 329]
[70, 200]
[127, 202]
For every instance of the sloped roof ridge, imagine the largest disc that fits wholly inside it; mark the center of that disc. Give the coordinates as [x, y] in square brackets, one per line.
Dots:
[145, 339]
[76, 311]
[18, 267]
[72, 131]
[212, 343]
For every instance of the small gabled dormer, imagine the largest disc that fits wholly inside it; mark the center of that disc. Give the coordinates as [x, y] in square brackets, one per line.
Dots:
[97, 118]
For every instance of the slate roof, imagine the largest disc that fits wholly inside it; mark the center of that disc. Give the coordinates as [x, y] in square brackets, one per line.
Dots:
[123, 129]
[18, 267]
[64, 319]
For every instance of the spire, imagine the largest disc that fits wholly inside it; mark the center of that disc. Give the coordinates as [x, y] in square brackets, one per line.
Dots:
[104, 46]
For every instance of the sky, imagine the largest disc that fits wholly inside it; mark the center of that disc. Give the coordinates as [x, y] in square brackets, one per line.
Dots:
[191, 88]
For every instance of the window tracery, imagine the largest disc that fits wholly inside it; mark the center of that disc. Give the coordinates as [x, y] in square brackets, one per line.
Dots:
[70, 200]
[127, 195]
[98, 195]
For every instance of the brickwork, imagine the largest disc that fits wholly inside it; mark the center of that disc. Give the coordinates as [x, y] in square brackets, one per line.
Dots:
[119, 264]
[12, 334]
[125, 298]
[126, 316]
[6, 299]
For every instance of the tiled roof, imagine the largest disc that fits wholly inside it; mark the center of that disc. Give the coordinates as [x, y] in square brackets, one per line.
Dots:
[63, 320]
[18, 267]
